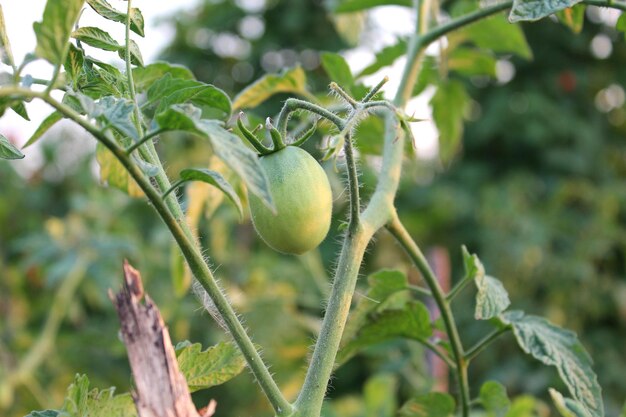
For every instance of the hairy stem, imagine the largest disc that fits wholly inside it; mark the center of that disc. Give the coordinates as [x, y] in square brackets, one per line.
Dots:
[293, 104]
[419, 260]
[188, 246]
[353, 184]
[309, 402]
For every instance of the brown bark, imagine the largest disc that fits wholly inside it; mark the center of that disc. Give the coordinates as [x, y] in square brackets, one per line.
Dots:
[160, 388]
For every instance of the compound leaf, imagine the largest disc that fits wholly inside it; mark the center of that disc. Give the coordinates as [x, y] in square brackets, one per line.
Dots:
[560, 348]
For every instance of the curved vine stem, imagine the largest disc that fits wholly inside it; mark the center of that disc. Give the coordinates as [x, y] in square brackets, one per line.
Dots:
[419, 260]
[188, 246]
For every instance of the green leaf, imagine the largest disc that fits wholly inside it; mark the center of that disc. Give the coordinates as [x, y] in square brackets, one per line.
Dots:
[214, 366]
[337, 69]
[217, 180]
[380, 396]
[382, 285]
[472, 265]
[20, 109]
[495, 33]
[434, 404]
[226, 145]
[97, 38]
[291, 80]
[47, 123]
[525, 406]
[411, 322]
[104, 9]
[621, 23]
[144, 77]
[113, 173]
[491, 299]
[494, 398]
[346, 6]
[428, 75]
[470, 61]
[448, 105]
[83, 401]
[53, 32]
[74, 64]
[6, 55]
[119, 114]
[531, 10]
[168, 91]
[8, 150]
[135, 54]
[385, 57]
[566, 406]
[560, 348]
[349, 26]
[101, 79]
[137, 22]
[573, 17]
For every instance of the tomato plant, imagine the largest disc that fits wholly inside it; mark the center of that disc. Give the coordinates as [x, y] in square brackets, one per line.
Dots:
[290, 196]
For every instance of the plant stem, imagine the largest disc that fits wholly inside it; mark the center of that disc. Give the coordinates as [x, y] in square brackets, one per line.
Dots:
[148, 152]
[419, 260]
[419, 290]
[309, 402]
[293, 104]
[129, 71]
[188, 246]
[147, 137]
[433, 348]
[456, 290]
[172, 188]
[370, 94]
[173, 216]
[353, 184]
[483, 343]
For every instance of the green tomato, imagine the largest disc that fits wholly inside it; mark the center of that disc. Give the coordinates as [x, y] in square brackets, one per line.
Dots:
[303, 201]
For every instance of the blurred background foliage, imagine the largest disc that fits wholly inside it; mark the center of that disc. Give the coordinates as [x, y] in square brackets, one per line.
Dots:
[537, 191]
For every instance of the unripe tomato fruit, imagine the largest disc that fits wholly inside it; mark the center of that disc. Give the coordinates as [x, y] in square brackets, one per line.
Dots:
[303, 201]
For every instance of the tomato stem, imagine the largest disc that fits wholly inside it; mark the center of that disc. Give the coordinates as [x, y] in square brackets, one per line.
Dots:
[251, 137]
[343, 94]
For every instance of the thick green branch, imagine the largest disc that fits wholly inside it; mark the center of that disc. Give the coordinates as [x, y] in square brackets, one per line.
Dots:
[309, 402]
